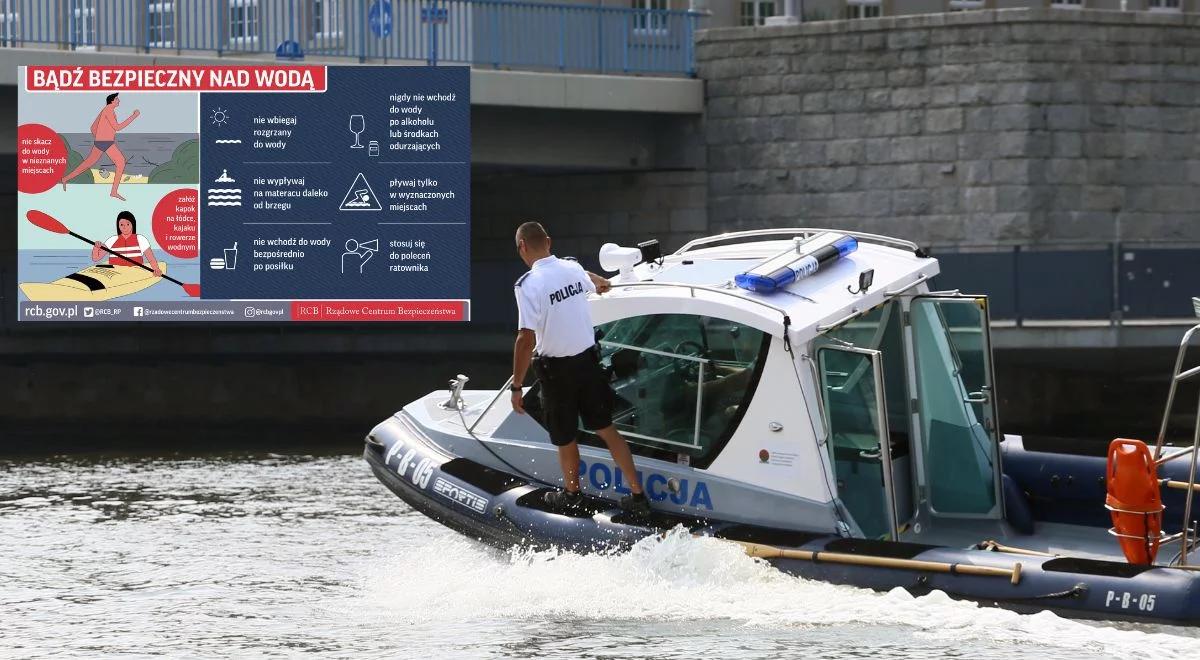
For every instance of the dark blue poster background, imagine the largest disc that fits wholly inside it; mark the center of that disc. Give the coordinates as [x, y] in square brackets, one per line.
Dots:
[361, 192]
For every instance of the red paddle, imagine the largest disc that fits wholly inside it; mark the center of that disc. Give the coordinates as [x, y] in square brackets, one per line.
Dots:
[50, 223]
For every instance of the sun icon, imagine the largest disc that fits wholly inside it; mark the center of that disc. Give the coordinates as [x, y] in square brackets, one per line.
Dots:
[219, 117]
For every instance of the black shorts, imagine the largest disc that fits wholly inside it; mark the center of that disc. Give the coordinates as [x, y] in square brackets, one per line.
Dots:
[573, 389]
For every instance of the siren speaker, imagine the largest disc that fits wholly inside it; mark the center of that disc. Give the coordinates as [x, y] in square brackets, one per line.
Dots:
[613, 257]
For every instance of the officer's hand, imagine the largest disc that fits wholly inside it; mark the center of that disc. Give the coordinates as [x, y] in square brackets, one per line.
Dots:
[518, 403]
[602, 284]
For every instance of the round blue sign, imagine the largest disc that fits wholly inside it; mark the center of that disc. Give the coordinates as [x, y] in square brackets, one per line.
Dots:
[379, 16]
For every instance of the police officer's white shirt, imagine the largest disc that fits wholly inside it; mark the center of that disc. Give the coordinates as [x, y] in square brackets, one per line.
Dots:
[552, 301]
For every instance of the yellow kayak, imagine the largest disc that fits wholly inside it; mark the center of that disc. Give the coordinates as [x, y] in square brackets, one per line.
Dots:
[99, 282]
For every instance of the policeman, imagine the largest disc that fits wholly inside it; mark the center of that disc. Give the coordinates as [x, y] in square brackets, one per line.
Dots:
[554, 322]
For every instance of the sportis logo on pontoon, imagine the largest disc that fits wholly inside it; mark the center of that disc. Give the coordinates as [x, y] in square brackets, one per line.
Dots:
[459, 495]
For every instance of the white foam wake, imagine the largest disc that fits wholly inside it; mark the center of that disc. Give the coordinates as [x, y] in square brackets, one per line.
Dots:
[679, 578]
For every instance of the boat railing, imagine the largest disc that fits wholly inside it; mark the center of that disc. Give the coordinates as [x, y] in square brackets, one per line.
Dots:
[794, 232]
[1179, 375]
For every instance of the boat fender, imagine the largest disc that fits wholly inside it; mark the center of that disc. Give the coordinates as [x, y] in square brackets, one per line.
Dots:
[1134, 500]
[1016, 506]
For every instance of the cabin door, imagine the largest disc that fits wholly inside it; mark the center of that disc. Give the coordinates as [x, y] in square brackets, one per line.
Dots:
[856, 416]
[957, 405]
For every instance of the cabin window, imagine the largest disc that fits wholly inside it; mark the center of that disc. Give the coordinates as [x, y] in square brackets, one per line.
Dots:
[682, 382]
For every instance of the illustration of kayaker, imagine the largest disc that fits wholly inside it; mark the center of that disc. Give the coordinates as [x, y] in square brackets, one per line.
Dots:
[104, 130]
[128, 243]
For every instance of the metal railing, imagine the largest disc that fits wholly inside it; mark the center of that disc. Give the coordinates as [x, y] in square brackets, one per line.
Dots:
[497, 33]
[1186, 536]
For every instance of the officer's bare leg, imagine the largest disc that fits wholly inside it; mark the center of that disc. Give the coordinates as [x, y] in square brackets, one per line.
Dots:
[568, 460]
[621, 454]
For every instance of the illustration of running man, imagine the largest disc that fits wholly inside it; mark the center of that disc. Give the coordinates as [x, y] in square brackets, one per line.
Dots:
[104, 131]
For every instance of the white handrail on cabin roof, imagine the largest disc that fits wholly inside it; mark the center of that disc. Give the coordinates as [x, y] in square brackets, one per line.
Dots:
[804, 232]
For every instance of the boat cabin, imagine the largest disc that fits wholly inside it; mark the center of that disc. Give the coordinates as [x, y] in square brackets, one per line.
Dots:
[855, 394]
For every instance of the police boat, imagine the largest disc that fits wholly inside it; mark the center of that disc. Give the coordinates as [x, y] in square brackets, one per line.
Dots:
[804, 393]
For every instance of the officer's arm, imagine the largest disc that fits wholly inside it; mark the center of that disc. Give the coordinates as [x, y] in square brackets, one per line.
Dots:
[600, 282]
[522, 354]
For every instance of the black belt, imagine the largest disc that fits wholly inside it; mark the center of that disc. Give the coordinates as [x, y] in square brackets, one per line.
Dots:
[590, 354]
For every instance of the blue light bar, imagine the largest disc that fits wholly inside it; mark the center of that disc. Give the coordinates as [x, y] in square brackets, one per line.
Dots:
[808, 257]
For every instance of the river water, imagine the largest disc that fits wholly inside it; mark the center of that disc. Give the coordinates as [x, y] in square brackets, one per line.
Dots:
[250, 555]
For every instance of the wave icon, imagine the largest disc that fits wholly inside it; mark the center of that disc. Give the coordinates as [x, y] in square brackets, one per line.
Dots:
[227, 141]
[225, 196]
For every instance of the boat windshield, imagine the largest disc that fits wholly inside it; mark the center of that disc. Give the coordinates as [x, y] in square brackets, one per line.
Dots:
[682, 381]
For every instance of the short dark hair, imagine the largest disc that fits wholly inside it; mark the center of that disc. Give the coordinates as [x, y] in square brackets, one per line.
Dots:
[126, 215]
[109, 99]
[534, 235]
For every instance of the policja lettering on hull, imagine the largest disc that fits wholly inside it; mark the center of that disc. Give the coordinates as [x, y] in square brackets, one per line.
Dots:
[602, 477]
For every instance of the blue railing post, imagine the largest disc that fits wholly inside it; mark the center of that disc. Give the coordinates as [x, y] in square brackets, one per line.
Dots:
[429, 16]
[690, 44]
[600, 39]
[221, 18]
[625, 43]
[562, 39]
[494, 35]
[71, 23]
[362, 31]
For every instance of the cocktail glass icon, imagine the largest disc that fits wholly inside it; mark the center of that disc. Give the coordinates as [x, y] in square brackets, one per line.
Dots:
[357, 126]
[231, 257]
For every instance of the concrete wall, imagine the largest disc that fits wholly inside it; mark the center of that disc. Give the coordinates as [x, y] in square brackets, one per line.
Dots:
[986, 127]
[583, 211]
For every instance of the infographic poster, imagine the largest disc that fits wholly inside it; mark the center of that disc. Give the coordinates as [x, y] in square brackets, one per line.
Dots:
[243, 193]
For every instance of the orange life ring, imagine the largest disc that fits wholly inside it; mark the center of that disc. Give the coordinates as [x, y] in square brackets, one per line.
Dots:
[1134, 499]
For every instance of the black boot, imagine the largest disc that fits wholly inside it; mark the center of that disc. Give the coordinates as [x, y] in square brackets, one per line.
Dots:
[563, 500]
[636, 503]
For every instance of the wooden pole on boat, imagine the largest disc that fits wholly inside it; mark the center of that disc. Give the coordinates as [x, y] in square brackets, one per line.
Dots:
[772, 552]
[1180, 485]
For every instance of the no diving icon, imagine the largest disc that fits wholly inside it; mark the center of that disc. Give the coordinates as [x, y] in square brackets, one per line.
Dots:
[360, 197]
